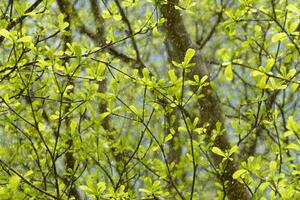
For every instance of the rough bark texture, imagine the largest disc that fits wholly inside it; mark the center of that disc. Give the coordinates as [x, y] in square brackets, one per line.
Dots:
[70, 159]
[179, 41]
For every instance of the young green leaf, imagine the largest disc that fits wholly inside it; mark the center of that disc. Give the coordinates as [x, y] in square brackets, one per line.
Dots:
[101, 68]
[14, 182]
[102, 116]
[146, 73]
[5, 33]
[176, 64]
[117, 17]
[238, 173]
[293, 8]
[273, 165]
[218, 151]
[294, 86]
[270, 64]
[101, 186]
[86, 189]
[25, 39]
[133, 109]
[228, 72]
[203, 79]
[233, 150]
[263, 186]
[279, 37]
[168, 138]
[28, 173]
[172, 75]
[188, 56]
[106, 14]
[62, 24]
[293, 146]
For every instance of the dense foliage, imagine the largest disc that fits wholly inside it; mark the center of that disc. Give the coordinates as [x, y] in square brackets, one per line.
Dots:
[149, 99]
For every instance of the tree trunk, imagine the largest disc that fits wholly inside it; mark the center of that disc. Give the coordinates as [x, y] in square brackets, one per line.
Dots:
[210, 110]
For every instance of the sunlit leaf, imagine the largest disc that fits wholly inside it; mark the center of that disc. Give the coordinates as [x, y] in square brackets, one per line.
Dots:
[293, 8]
[5, 33]
[189, 55]
[25, 39]
[218, 151]
[14, 181]
[168, 138]
[228, 72]
[279, 37]
[237, 174]
[293, 146]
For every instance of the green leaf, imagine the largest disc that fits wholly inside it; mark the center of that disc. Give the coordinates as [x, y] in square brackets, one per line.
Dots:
[176, 64]
[279, 37]
[101, 186]
[270, 64]
[146, 75]
[273, 165]
[293, 26]
[228, 72]
[14, 182]
[60, 18]
[238, 173]
[256, 73]
[69, 87]
[101, 68]
[5, 33]
[182, 129]
[195, 122]
[117, 17]
[188, 56]
[156, 184]
[288, 133]
[263, 186]
[199, 130]
[102, 116]
[203, 79]
[54, 117]
[61, 24]
[86, 189]
[133, 109]
[296, 172]
[127, 3]
[233, 150]
[172, 75]
[293, 8]
[293, 146]
[291, 73]
[106, 14]
[73, 126]
[148, 181]
[25, 39]
[294, 86]
[145, 191]
[77, 50]
[28, 173]
[262, 82]
[168, 138]
[218, 151]
[41, 126]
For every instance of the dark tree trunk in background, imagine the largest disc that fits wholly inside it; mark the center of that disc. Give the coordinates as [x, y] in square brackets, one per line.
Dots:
[210, 110]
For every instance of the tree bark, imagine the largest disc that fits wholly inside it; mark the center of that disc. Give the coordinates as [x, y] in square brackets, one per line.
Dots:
[179, 41]
[70, 159]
